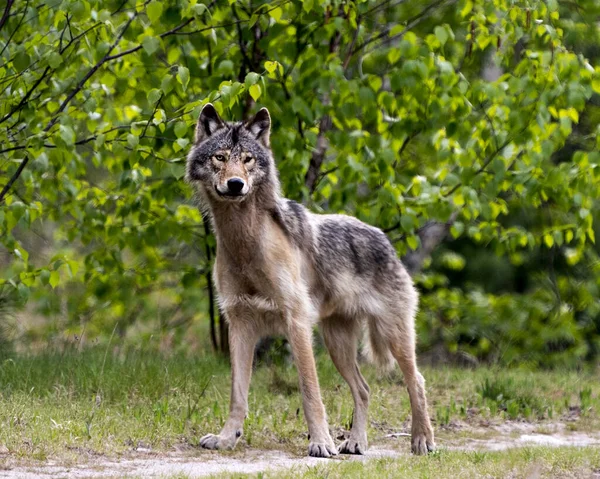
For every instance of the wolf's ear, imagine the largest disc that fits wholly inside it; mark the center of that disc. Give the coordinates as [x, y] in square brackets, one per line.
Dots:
[209, 121]
[260, 126]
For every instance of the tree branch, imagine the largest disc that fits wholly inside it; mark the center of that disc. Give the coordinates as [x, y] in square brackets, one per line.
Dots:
[13, 148]
[432, 234]
[74, 39]
[7, 8]
[405, 143]
[350, 50]
[13, 178]
[318, 155]
[152, 116]
[209, 284]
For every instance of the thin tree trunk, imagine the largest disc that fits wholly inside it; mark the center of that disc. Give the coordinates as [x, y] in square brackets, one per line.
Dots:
[211, 294]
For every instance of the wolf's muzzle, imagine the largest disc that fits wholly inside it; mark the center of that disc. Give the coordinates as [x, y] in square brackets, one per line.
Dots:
[234, 188]
[235, 185]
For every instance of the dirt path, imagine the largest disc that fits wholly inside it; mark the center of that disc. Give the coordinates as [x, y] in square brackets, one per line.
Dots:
[204, 463]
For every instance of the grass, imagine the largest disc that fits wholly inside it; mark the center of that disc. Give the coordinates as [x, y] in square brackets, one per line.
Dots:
[73, 405]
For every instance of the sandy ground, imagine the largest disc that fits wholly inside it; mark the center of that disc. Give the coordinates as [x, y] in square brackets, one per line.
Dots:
[148, 464]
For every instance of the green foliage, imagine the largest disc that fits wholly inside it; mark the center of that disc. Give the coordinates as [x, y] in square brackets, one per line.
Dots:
[100, 100]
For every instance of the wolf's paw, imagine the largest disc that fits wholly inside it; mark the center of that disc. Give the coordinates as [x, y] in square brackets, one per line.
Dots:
[213, 441]
[353, 446]
[422, 443]
[322, 449]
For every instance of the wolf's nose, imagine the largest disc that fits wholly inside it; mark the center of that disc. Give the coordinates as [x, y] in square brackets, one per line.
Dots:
[235, 185]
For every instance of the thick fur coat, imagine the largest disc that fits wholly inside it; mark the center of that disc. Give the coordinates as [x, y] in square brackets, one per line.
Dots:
[280, 269]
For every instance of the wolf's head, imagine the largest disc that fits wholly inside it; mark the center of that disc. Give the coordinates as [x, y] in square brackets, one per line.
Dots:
[231, 161]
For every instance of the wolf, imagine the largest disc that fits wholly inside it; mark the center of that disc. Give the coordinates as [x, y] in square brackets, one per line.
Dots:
[280, 269]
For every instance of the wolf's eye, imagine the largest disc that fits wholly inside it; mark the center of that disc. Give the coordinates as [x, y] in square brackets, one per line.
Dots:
[219, 158]
[248, 159]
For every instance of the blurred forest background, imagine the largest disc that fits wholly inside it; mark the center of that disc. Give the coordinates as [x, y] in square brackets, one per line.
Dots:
[468, 130]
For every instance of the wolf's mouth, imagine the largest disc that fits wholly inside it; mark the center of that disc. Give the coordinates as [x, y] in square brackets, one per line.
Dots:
[229, 194]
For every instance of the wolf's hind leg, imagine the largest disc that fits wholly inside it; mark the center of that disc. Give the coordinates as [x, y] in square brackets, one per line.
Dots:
[341, 338]
[403, 348]
[242, 340]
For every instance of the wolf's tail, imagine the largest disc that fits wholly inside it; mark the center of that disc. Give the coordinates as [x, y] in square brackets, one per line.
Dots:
[376, 349]
[393, 329]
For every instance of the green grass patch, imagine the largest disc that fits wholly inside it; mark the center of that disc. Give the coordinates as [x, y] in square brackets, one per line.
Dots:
[109, 402]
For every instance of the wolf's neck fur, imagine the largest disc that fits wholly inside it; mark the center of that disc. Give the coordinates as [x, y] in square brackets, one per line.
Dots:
[238, 226]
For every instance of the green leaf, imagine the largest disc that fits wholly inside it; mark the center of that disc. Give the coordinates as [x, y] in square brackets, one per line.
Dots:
[183, 76]
[154, 10]
[54, 60]
[180, 129]
[394, 55]
[67, 134]
[568, 236]
[23, 291]
[166, 85]
[413, 242]
[45, 277]
[458, 199]
[54, 279]
[73, 267]
[270, 66]
[468, 6]
[154, 95]
[407, 222]
[457, 229]
[22, 254]
[255, 92]
[200, 9]
[183, 142]
[226, 67]
[251, 79]
[21, 61]
[151, 44]
[78, 9]
[276, 13]
[133, 140]
[441, 34]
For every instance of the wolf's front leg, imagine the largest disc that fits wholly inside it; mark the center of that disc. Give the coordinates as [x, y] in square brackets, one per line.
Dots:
[242, 340]
[300, 337]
